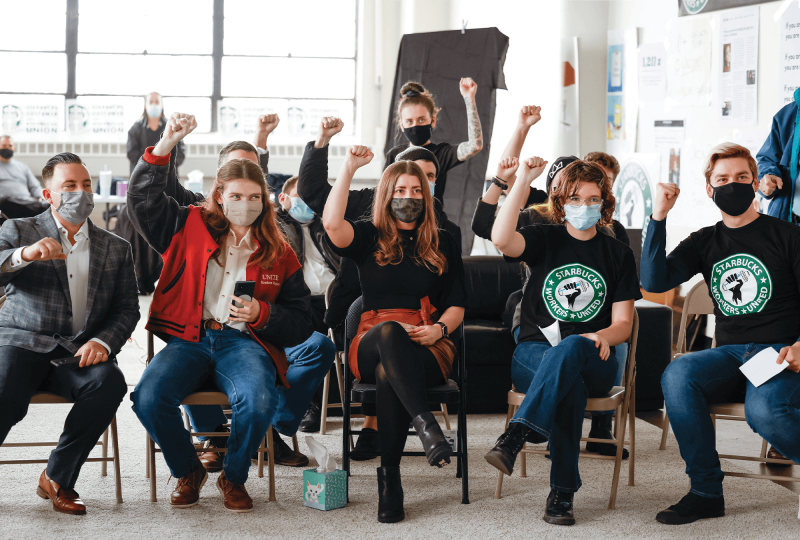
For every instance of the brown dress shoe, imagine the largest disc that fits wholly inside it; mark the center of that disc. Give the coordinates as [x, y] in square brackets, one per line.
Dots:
[212, 461]
[774, 454]
[284, 455]
[235, 497]
[64, 500]
[187, 492]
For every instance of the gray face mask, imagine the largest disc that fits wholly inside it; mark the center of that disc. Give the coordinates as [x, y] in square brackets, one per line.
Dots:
[75, 206]
[407, 210]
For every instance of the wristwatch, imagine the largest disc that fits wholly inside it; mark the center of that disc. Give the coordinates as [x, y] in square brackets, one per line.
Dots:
[500, 183]
[445, 333]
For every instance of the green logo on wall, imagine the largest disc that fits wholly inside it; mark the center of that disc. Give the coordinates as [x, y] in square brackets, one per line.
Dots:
[574, 293]
[741, 285]
[694, 6]
[634, 200]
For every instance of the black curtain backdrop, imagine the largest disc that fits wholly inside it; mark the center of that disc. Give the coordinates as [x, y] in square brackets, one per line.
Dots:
[439, 60]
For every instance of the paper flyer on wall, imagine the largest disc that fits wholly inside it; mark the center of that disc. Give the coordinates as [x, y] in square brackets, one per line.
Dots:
[789, 62]
[738, 91]
[622, 97]
[652, 72]
[668, 142]
[688, 46]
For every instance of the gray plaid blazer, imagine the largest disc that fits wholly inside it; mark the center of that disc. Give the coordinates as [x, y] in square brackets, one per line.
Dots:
[37, 314]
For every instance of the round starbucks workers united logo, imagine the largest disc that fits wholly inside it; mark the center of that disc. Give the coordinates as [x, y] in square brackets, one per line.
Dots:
[741, 285]
[574, 293]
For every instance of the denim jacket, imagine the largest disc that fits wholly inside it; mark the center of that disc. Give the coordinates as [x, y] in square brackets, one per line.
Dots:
[774, 158]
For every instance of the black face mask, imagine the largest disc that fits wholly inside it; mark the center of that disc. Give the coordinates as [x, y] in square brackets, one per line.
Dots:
[407, 210]
[6, 153]
[734, 198]
[418, 135]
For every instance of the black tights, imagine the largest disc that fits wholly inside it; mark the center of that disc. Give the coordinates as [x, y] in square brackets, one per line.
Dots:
[402, 370]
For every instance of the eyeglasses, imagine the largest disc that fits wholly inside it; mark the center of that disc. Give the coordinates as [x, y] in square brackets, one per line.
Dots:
[577, 201]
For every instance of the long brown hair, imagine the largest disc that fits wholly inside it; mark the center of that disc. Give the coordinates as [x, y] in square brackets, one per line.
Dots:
[390, 247]
[569, 183]
[271, 245]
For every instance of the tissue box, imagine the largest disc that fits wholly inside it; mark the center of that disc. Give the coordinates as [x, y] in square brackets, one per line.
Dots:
[325, 491]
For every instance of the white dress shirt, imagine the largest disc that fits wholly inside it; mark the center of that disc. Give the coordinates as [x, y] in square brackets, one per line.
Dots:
[221, 278]
[316, 273]
[77, 272]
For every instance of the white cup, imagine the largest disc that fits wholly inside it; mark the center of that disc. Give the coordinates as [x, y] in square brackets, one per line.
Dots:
[105, 183]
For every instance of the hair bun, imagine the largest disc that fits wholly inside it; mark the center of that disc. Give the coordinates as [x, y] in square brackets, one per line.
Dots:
[412, 89]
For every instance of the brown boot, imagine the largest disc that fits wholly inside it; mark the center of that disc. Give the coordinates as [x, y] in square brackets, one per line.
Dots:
[774, 454]
[187, 492]
[235, 497]
[211, 460]
[285, 455]
[64, 500]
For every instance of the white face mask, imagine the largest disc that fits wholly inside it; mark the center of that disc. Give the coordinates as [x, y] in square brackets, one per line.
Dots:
[154, 110]
[242, 213]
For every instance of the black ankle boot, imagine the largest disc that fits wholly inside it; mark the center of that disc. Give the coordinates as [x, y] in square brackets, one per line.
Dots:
[508, 445]
[601, 429]
[437, 449]
[390, 495]
[559, 508]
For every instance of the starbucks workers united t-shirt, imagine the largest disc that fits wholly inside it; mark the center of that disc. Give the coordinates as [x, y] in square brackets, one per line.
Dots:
[574, 282]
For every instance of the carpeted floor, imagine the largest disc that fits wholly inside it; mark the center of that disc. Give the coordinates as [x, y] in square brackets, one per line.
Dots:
[755, 509]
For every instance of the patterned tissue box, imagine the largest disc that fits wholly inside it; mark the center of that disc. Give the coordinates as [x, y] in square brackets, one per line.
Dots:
[325, 491]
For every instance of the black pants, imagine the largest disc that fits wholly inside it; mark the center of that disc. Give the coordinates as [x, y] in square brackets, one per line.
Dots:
[402, 371]
[21, 209]
[96, 391]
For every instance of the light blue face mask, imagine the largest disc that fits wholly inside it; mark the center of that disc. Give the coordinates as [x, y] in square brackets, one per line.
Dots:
[432, 185]
[300, 210]
[583, 217]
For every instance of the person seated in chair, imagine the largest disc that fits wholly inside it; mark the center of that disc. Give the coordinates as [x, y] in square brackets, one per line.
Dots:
[20, 191]
[576, 307]
[307, 363]
[412, 279]
[751, 265]
[70, 292]
[212, 335]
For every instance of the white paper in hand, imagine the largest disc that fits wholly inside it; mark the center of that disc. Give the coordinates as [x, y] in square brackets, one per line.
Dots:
[763, 366]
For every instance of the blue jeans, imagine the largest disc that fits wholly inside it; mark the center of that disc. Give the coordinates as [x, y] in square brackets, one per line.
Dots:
[557, 382]
[309, 362]
[694, 381]
[237, 366]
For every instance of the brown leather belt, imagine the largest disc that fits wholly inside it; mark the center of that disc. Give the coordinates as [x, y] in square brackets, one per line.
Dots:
[211, 324]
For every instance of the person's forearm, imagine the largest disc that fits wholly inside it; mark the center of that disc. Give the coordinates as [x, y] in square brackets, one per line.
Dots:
[163, 147]
[514, 146]
[475, 143]
[260, 140]
[660, 273]
[452, 318]
[333, 215]
[617, 333]
[505, 225]
[492, 195]
[322, 141]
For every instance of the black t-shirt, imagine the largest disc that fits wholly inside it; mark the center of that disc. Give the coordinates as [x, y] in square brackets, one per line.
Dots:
[403, 285]
[752, 274]
[573, 281]
[446, 154]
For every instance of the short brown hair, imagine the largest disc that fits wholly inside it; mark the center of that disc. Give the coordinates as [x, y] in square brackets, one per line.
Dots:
[288, 185]
[606, 160]
[571, 177]
[413, 93]
[64, 158]
[729, 150]
[235, 145]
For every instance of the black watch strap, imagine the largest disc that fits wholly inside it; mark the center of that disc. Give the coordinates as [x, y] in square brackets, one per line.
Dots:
[445, 333]
[500, 183]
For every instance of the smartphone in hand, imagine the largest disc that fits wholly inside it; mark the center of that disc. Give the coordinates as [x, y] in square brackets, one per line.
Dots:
[69, 361]
[244, 290]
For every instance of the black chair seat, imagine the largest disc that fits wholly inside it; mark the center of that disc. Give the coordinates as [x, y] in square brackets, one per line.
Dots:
[444, 393]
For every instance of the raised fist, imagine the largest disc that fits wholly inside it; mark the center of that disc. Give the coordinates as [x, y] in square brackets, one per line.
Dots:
[467, 87]
[330, 126]
[529, 115]
[267, 123]
[530, 169]
[178, 127]
[572, 291]
[44, 250]
[506, 169]
[358, 156]
[666, 195]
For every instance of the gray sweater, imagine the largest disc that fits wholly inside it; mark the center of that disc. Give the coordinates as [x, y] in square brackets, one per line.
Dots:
[17, 181]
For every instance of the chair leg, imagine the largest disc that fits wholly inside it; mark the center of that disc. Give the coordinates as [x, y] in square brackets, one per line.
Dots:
[509, 416]
[263, 446]
[152, 454]
[294, 443]
[498, 490]
[763, 448]
[523, 461]
[620, 437]
[632, 422]
[103, 464]
[324, 413]
[446, 416]
[664, 430]
[115, 448]
[147, 455]
[271, 455]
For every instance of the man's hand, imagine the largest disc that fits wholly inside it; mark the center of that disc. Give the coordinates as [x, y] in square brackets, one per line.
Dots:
[357, 157]
[92, 353]
[468, 88]
[177, 128]
[791, 355]
[265, 125]
[600, 343]
[248, 313]
[769, 183]
[666, 195]
[530, 169]
[44, 250]
[529, 115]
[329, 127]
[426, 335]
